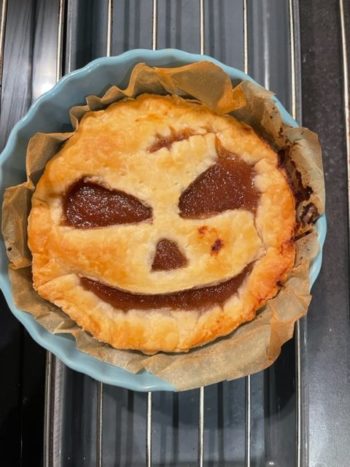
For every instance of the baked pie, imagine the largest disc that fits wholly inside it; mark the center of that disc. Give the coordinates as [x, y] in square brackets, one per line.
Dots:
[161, 225]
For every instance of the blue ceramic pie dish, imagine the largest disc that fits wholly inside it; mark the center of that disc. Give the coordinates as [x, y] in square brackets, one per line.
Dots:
[50, 114]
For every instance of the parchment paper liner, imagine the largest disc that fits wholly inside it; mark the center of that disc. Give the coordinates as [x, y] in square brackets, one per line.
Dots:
[253, 346]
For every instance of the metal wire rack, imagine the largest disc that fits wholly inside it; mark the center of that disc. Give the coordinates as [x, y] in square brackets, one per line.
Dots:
[295, 109]
[263, 419]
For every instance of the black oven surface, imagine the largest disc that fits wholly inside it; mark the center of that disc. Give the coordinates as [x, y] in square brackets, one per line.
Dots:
[295, 413]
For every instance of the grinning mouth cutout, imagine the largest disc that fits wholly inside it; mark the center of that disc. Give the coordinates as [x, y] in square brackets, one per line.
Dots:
[192, 299]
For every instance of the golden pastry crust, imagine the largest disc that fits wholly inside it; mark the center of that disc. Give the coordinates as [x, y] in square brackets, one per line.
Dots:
[117, 148]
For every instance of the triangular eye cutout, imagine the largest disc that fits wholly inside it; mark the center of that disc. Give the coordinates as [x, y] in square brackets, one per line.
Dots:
[168, 256]
[88, 205]
[229, 184]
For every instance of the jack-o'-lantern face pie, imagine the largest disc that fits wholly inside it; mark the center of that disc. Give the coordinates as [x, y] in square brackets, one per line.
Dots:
[160, 225]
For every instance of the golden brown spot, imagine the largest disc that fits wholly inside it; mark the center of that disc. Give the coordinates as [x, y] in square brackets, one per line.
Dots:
[216, 246]
[203, 230]
[247, 129]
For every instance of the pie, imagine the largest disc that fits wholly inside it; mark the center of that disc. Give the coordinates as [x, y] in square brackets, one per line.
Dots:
[161, 225]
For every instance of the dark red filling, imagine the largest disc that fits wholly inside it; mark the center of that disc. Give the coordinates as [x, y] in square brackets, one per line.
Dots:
[199, 298]
[229, 184]
[168, 256]
[87, 205]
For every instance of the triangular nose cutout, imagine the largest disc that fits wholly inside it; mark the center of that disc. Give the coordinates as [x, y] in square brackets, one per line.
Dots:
[168, 256]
